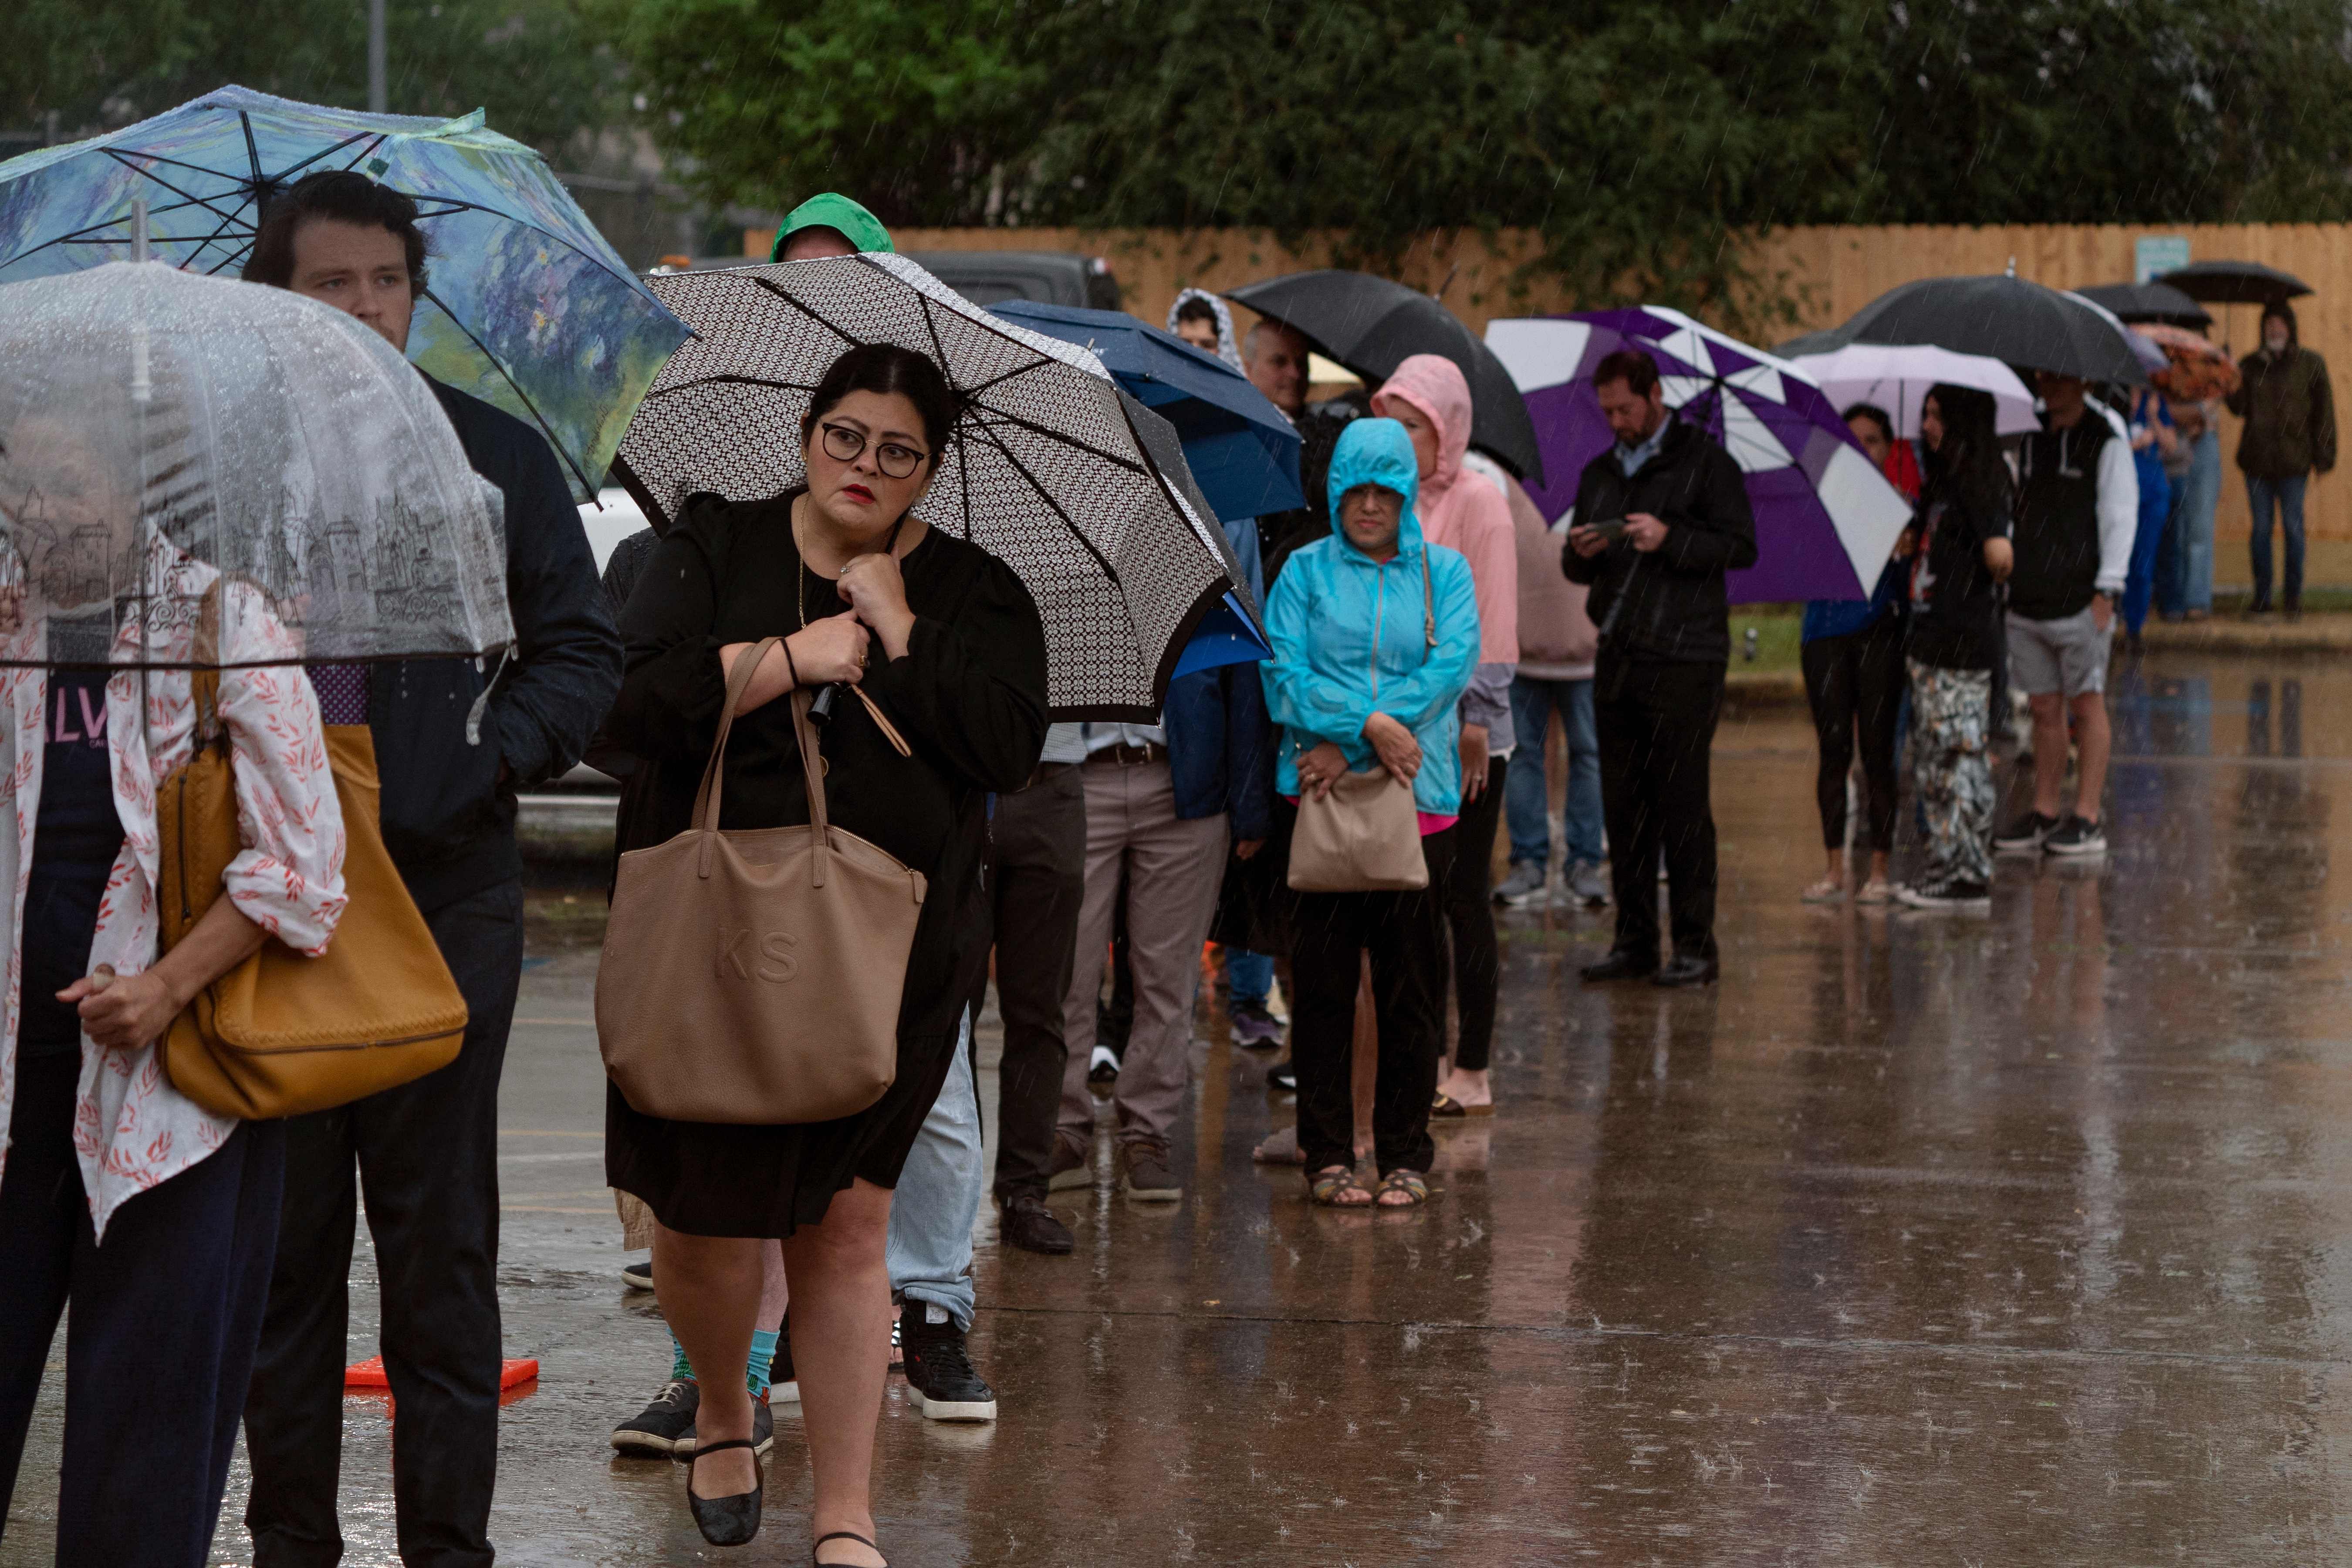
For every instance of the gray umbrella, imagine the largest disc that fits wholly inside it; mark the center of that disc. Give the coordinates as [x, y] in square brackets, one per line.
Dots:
[2156, 302]
[2002, 318]
[2235, 283]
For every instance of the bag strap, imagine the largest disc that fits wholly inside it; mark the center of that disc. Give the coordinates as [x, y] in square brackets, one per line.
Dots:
[812, 770]
[707, 798]
[203, 674]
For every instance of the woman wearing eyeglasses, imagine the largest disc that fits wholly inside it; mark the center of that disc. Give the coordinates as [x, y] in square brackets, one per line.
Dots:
[947, 644]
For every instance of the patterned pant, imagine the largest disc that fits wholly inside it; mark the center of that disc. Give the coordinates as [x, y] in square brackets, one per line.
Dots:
[1954, 771]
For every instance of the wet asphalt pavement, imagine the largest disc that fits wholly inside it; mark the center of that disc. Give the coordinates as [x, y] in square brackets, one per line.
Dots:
[1921, 1238]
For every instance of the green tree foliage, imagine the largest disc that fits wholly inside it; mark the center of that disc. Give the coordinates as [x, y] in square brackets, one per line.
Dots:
[1636, 138]
[536, 65]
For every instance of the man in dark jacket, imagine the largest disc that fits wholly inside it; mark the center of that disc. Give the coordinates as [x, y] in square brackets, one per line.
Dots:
[1659, 519]
[2289, 415]
[454, 741]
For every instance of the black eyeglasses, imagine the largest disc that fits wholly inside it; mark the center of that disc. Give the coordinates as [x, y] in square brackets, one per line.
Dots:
[842, 443]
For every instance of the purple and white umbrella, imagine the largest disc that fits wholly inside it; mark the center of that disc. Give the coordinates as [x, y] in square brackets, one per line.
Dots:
[1826, 519]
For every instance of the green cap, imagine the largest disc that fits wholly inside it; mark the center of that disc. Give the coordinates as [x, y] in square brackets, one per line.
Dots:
[836, 211]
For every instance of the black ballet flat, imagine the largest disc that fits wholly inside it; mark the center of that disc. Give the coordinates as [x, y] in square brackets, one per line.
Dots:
[840, 1535]
[726, 1520]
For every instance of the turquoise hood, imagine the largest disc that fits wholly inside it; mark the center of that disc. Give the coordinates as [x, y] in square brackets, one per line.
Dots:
[1349, 633]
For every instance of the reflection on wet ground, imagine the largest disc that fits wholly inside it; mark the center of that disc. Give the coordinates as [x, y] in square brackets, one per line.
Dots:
[1920, 1238]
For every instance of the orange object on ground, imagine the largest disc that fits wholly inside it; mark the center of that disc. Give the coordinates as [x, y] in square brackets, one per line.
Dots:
[369, 1374]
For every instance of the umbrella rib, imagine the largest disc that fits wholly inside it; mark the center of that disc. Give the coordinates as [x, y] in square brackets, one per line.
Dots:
[458, 204]
[1066, 440]
[252, 153]
[728, 378]
[188, 198]
[496, 364]
[328, 152]
[1109, 574]
[787, 297]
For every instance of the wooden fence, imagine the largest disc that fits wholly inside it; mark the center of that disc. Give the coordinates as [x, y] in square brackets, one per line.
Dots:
[1825, 273]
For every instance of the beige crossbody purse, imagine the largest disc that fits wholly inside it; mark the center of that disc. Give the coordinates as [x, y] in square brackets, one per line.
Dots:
[753, 976]
[1365, 836]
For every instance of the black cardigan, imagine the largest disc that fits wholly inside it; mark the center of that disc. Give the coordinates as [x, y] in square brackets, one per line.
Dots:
[1669, 603]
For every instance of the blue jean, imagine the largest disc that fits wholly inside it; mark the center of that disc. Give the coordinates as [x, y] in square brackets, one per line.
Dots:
[2286, 494]
[2185, 581]
[1526, 801]
[2148, 540]
[931, 1214]
[1250, 974]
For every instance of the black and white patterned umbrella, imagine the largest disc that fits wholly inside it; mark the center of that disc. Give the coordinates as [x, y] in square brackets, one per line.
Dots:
[1044, 469]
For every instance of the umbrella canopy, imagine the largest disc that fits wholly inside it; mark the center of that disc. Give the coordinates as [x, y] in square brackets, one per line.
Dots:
[2197, 367]
[1229, 633]
[2235, 283]
[1895, 377]
[2003, 318]
[1371, 326]
[528, 307]
[2150, 302]
[150, 414]
[1826, 519]
[1240, 450]
[1044, 468]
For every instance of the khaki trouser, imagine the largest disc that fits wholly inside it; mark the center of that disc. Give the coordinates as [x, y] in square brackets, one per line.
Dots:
[1173, 869]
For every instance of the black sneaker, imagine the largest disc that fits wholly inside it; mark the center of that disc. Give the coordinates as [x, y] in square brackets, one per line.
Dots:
[763, 1432]
[2077, 836]
[1958, 894]
[784, 1383]
[2028, 832]
[655, 1430]
[1284, 1077]
[940, 1373]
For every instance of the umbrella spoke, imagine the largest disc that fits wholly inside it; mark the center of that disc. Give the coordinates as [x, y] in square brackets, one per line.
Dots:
[730, 378]
[373, 140]
[1014, 462]
[252, 153]
[500, 365]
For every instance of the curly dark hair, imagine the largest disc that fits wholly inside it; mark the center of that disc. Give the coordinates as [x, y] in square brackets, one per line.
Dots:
[346, 197]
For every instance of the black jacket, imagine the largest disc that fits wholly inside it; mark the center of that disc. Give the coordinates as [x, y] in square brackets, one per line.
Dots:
[1669, 603]
[449, 818]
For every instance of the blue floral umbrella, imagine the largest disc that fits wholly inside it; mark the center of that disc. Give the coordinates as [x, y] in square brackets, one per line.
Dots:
[527, 306]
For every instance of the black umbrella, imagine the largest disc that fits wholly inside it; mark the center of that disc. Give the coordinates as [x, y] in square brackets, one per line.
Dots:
[1371, 326]
[2235, 283]
[2002, 318]
[2156, 302]
[1828, 341]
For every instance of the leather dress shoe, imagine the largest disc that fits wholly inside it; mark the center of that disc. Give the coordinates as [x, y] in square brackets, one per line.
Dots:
[1620, 965]
[1030, 1225]
[1686, 971]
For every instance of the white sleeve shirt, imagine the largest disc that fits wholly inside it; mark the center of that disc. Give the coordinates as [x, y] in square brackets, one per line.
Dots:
[2119, 513]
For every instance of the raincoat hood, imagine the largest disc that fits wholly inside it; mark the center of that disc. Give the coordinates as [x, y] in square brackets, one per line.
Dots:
[1375, 452]
[834, 211]
[1229, 347]
[1434, 385]
[2284, 313]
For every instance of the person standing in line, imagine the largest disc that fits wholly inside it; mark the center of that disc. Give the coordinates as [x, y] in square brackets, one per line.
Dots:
[454, 743]
[1205, 322]
[2077, 511]
[144, 1219]
[1461, 510]
[1660, 519]
[2185, 586]
[839, 568]
[1375, 635]
[1556, 644]
[1852, 651]
[2153, 444]
[1962, 556]
[2289, 408]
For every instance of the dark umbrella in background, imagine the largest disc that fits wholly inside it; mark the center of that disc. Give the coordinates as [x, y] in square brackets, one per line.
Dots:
[1372, 326]
[2235, 283]
[2004, 317]
[2159, 304]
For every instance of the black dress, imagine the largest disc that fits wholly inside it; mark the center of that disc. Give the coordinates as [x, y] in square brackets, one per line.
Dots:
[968, 697]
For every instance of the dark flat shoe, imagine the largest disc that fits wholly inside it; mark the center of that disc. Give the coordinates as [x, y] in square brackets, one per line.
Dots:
[726, 1520]
[839, 1535]
[1620, 965]
[1688, 972]
[1445, 1105]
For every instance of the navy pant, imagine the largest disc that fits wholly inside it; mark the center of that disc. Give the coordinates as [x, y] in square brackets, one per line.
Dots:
[161, 1339]
[2282, 499]
[427, 1154]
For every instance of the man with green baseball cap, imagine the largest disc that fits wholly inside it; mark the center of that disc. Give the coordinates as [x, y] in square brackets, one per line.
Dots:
[824, 225]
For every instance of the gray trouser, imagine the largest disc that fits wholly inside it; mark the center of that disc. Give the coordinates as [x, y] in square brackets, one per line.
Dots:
[1174, 867]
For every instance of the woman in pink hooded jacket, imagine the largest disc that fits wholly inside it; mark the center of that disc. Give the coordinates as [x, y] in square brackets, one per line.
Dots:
[1465, 509]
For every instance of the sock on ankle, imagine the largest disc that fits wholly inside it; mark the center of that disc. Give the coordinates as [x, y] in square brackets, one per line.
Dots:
[679, 1367]
[764, 1352]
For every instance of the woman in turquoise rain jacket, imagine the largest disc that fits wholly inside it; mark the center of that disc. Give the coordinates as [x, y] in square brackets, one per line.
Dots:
[1375, 634]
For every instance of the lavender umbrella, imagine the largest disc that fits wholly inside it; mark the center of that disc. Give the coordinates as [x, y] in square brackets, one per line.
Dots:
[1826, 519]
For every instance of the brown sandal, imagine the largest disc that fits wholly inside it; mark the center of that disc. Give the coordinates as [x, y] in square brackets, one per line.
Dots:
[1408, 1182]
[1329, 1188]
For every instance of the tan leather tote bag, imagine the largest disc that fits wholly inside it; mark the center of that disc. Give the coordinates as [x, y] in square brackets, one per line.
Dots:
[753, 976]
[1365, 836]
[282, 1034]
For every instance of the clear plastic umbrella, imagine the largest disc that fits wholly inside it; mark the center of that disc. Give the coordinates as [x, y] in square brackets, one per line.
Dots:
[152, 415]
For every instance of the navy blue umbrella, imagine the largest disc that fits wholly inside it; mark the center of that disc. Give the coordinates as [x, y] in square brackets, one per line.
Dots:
[1243, 453]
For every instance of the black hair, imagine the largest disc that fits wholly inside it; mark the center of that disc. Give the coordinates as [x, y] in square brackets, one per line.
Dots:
[1197, 310]
[1635, 367]
[1875, 414]
[344, 195]
[1968, 466]
[887, 368]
